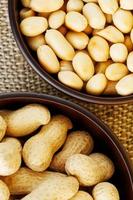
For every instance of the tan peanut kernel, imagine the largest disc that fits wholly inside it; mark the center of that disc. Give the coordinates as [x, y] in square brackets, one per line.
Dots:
[108, 7]
[62, 48]
[50, 138]
[48, 59]
[35, 42]
[33, 26]
[66, 65]
[130, 61]
[70, 79]
[78, 40]
[83, 65]
[46, 6]
[123, 20]
[96, 84]
[3, 127]
[56, 19]
[101, 67]
[94, 15]
[126, 4]
[26, 12]
[75, 21]
[116, 71]
[77, 142]
[98, 49]
[125, 85]
[118, 52]
[105, 190]
[128, 42]
[91, 169]
[75, 5]
[110, 88]
[26, 3]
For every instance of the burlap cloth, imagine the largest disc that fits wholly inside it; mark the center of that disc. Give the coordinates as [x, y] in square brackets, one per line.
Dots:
[17, 75]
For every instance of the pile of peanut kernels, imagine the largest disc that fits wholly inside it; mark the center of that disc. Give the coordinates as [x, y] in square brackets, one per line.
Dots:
[88, 43]
[57, 160]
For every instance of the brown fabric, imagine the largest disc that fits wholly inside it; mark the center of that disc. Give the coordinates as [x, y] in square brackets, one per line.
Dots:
[17, 75]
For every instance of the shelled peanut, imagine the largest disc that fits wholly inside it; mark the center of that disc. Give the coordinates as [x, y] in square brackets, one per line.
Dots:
[60, 30]
[50, 145]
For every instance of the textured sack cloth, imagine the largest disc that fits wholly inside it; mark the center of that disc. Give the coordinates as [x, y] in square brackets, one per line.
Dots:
[17, 75]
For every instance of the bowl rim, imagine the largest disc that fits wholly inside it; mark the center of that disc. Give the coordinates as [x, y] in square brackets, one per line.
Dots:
[77, 108]
[47, 77]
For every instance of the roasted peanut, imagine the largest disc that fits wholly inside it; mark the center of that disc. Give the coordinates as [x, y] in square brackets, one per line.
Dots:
[125, 85]
[116, 71]
[75, 21]
[25, 120]
[48, 59]
[130, 61]
[59, 44]
[77, 142]
[10, 156]
[94, 15]
[105, 190]
[66, 65]
[83, 66]
[96, 84]
[33, 26]
[46, 6]
[123, 20]
[3, 127]
[111, 34]
[75, 5]
[82, 195]
[70, 79]
[118, 52]
[78, 40]
[50, 138]
[108, 7]
[56, 19]
[26, 12]
[98, 49]
[35, 42]
[55, 186]
[91, 169]
[4, 191]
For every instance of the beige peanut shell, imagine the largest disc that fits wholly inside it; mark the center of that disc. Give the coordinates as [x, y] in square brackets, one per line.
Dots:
[4, 191]
[25, 120]
[10, 156]
[55, 186]
[91, 169]
[77, 142]
[38, 151]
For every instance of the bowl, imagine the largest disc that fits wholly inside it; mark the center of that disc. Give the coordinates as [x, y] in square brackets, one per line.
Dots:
[105, 141]
[30, 56]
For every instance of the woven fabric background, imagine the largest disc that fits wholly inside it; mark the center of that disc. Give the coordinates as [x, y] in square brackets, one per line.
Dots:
[17, 75]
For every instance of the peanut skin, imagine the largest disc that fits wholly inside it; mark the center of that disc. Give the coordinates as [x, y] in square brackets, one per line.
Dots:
[10, 156]
[38, 151]
[77, 142]
[91, 169]
[55, 186]
[25, 120]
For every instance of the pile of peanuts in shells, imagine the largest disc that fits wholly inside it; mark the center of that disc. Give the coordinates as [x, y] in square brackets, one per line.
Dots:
[87, 43]
[43, 157]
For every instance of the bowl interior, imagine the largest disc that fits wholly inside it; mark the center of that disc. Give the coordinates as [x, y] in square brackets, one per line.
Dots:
[105, 141]
[14, 8]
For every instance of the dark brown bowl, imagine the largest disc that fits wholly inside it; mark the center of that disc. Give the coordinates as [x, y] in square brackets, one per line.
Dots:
[14, 8]
[105, 141]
